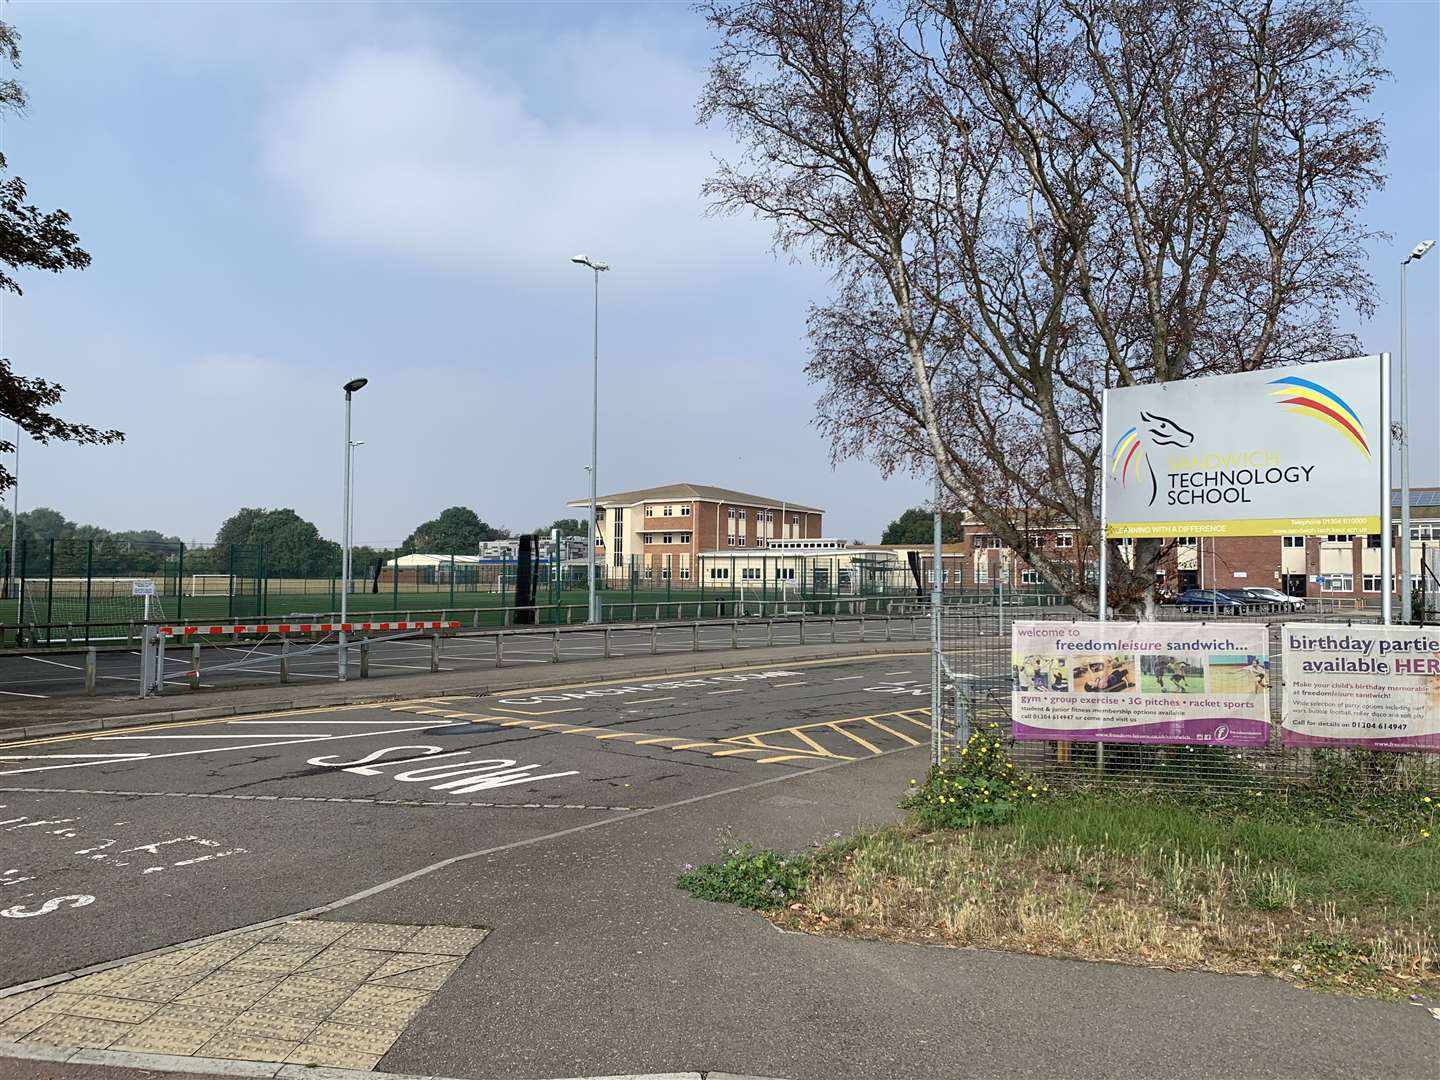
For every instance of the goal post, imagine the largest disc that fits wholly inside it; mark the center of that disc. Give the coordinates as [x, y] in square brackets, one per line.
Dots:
[209, 585]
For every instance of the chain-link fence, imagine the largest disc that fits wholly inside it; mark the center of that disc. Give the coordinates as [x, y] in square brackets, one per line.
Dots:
[978, 675]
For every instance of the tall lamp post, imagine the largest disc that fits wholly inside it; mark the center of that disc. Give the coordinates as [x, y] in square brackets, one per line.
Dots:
[350, 388]
[1405, 585]
[597, 267]
[15, 519]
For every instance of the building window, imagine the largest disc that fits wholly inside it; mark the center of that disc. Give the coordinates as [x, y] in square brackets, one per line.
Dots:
[1030, 577]
[730, 540]
[719, 573]
[742, 515]
[665, 573]
[770, 516]
[1373, 540]
[619, 514]
[1185, 541]
[1339, 583]
[983, 542]
[619, 559]
[669, 511]
[684, 573]
[649, 511]
[685, 510]
[982, 572]
[1425, 532]
[741, 539]
[1339, 538]
[1064, 540]
[750, 573]
[730, 513]
[784, 573]
[1371, 582]
[1292, 541]
[684, 538]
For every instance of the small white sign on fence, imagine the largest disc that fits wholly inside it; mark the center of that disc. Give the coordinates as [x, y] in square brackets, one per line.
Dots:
[142, 587]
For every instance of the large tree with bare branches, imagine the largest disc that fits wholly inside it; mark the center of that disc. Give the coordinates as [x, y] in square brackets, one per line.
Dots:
[1025, 201]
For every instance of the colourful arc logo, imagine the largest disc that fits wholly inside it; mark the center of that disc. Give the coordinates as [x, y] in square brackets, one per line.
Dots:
[1126, 449]
[1311, 399]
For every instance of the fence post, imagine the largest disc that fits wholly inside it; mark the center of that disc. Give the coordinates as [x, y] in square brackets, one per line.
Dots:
[555, 646]
[159, 662]
[90, 671]
[652, 639]
[365, 658]
[180, 584]
[129, 635]
[195, 666]
[284, 659]
[144, 662]
[695, 637]
[607, 643]
[434, 653]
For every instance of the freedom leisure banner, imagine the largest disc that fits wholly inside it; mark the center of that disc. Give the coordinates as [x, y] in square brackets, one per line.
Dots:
[1371, 686]
[1285, 451]
[1178, 683]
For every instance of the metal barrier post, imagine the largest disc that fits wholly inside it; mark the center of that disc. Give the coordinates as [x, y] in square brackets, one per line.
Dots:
[862, 626]
[365, 658]
[769, 631]
[607, 643]
[832, 629]
[734, 634]
[695, 637]
[130, 636]
[652, 640]
[802, 628]
[90, 671]
[284, 659]
[159, 663]
[144, 661]
[434, 653]
[195, 666]
[887, 626]
[555, 646]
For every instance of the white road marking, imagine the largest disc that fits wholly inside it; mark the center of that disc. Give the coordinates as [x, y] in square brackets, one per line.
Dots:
[257, 735]
[57, 663]
[906, 672]
[737, 690]
[652, 700]
[779, 684]
[283, 723]
[16, 693]
[289, 741]
[847, 678]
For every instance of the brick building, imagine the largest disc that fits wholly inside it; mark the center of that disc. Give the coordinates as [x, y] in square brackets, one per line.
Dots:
[659, 533]
[1340, 566]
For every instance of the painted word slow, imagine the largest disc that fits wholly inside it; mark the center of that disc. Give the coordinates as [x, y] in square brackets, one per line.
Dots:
[458, 776]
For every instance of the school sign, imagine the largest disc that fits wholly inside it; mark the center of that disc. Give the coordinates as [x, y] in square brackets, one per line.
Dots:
[1284, 451]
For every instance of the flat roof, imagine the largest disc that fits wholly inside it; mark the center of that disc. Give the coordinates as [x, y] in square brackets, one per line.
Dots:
[700, 492]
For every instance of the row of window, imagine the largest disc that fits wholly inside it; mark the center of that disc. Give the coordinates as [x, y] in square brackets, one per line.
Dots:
[1346, 583]
[1062, 540]
[669, 510]
[666, 538]
[753, 573]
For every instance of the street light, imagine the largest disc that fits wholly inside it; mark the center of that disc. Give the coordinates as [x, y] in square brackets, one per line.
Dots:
[598, 267]
[349, 388]
[1405, 602]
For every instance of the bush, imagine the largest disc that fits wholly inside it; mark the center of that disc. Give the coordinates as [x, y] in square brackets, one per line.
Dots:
[750, 878]
[978, 785]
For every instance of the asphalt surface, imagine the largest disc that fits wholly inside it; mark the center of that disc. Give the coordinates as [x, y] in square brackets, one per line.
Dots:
[575, 806]
[47, 674]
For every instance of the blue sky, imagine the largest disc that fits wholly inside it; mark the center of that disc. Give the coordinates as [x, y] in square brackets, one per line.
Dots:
[278, 198]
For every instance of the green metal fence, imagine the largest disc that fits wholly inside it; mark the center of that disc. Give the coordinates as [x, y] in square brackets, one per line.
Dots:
[78, 591]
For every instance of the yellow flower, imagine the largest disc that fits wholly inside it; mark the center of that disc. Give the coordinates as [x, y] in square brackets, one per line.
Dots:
[1425, 833]
[1427, 798]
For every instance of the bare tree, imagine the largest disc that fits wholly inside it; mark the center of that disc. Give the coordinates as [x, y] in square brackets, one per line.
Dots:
[1026, 201]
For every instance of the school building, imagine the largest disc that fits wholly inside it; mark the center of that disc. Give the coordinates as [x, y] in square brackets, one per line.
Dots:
[659, 533]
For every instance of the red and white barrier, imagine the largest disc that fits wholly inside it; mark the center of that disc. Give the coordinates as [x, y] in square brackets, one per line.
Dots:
[304, 628]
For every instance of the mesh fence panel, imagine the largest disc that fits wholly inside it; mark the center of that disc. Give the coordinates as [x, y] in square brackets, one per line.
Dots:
[977, 681]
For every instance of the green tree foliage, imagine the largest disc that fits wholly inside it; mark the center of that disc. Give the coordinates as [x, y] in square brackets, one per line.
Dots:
[917, 527]
[31, 238]
[457, 531]
[292, 546]
[128, 551]
[567, 527]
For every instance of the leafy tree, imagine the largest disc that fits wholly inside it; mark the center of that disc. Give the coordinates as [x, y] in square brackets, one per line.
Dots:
[1024, 202]
[40, 240]
[293, 546]
[567, 527]
[457, 531]
[917, 526]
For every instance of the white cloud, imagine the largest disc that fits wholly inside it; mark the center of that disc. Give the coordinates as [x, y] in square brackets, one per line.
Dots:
[403, 152]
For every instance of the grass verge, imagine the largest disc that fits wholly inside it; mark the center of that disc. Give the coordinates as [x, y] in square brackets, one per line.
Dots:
[1343, 905]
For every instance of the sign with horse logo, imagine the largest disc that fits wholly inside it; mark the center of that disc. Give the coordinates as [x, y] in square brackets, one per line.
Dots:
[1293, 450]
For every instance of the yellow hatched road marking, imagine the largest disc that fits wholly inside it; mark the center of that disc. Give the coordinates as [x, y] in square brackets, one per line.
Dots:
[855, 738]
[811, 742]
[891, 731]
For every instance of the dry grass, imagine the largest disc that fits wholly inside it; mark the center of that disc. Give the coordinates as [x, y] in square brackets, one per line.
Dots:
[1314, 914]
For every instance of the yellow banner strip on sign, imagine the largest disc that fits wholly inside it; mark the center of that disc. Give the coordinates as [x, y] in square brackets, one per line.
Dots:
[1118, 530]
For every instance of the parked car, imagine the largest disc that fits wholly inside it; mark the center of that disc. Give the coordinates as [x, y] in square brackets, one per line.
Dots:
[1209, 600]
[1275, 598]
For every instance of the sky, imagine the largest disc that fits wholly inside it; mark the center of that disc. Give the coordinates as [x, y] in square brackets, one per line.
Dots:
[279, 198]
